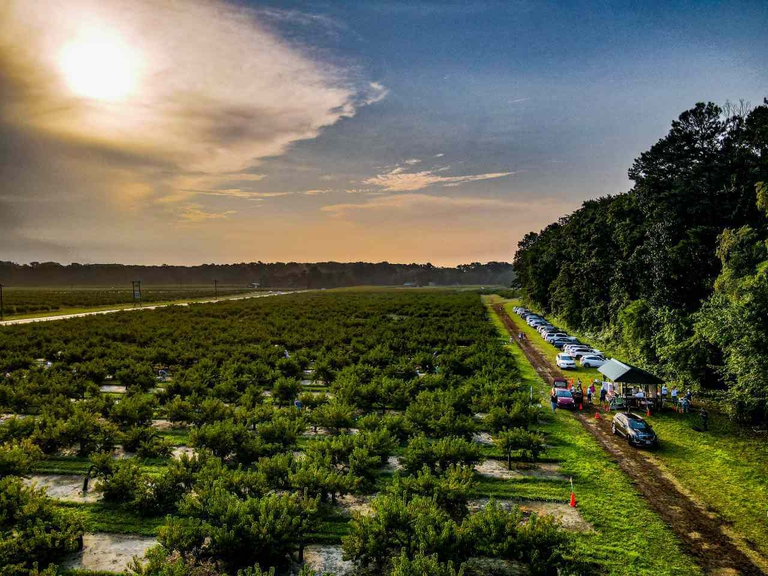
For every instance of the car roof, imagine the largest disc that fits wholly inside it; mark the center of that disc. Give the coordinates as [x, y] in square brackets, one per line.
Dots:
[633, 416]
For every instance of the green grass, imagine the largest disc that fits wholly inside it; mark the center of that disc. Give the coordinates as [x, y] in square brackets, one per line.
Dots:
[80, 465]
[113, 518]
[726, 468]
[629, 537]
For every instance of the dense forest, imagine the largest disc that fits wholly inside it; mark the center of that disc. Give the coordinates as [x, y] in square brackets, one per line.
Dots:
[267, 275]
[673, 273]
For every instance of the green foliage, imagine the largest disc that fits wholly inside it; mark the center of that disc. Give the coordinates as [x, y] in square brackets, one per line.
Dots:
[33, 531]
[239, 532]
[18, 456]
[439, 455]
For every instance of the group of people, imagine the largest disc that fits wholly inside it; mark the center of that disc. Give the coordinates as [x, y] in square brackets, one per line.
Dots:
[683, 405]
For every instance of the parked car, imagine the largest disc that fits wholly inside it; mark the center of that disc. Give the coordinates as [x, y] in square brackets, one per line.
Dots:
[593, 361]
[573, 348]
[565, 399]
[635, 429]
[560, 342]
[581, 353]
[555, 336]
[560, 383]
[565, 361]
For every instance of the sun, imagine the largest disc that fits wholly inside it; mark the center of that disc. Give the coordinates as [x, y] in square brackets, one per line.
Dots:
[99, 65]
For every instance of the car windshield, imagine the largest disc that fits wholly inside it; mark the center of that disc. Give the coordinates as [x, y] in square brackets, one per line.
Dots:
[638, 425]
[564, 394]
[566, 357]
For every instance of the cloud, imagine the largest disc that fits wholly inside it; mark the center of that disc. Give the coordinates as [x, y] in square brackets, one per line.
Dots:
[397, 180]
[417, 202]
[195, 213]
[243, 194]
[412, 161]
[439, 155]
[167, 92]
[315, 192]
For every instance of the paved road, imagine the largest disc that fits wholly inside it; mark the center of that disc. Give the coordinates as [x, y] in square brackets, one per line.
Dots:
[152, 307]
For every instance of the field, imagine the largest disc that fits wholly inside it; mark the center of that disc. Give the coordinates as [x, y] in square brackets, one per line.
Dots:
[23, 301]
[419, 442]
[184, 420]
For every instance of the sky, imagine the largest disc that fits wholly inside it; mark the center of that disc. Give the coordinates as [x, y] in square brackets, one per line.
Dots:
[193, 131]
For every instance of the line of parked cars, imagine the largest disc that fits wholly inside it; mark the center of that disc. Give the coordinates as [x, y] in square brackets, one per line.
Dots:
[573, 351]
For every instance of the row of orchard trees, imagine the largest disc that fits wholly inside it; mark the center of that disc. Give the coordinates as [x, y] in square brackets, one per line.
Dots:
[673, 270]
[407, 371]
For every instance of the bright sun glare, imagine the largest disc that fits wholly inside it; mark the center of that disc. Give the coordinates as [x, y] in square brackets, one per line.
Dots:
[99, 65]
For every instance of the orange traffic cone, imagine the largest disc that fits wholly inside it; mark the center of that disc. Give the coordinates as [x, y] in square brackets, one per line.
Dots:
[573, 500]
[581, 407]
[647, 410]
[597, 415]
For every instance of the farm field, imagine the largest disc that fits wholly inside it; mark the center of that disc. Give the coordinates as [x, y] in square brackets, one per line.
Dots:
[724, 471]
[24, 302]
[416, 442]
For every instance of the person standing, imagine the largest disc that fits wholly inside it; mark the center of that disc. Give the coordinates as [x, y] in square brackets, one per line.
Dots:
[553, 399]
[704, 419]
[674, 396]
[590, 391]
[663, 394]
[603, 394]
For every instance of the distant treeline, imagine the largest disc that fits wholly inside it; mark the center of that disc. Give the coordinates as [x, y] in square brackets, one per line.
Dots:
[267, 275]
[673, 273]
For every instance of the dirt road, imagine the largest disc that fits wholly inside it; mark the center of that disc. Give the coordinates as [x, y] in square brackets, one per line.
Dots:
[705, 536]
[140, 308]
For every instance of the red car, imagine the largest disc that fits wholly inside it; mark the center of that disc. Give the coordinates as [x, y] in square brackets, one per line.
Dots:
[565, 399]
[560, 383]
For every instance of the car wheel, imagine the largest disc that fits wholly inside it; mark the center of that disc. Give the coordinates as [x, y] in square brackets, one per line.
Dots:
[629, 440]
[613, 429]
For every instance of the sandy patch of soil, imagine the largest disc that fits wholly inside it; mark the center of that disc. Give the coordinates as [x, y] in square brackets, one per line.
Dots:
[483, 438]
[496, 469]
[323, 559]
[114, 388]
[110, 552]
[66, 487]
[162, 424]
[179, 450]
[120, 453]
[350, 503]
[322, 431]
[569, 517]
[393, 463]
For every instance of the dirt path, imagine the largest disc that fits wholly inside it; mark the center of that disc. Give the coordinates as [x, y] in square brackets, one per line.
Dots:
[704, 535]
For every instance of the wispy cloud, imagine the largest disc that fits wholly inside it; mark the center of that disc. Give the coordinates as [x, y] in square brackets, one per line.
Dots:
[419, 204]
[439, 155]
[397, 180]
[412, 161]
[315, 192]
[195, 213]
[243, 194]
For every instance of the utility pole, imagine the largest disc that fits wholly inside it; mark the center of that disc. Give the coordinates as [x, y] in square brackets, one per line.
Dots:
[136, 289]
[2, 314]
[216, 289]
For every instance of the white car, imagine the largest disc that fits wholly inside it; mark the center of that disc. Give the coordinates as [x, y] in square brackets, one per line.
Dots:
[573, 348]
[592, 361]
[565, 361]
[555, 336]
